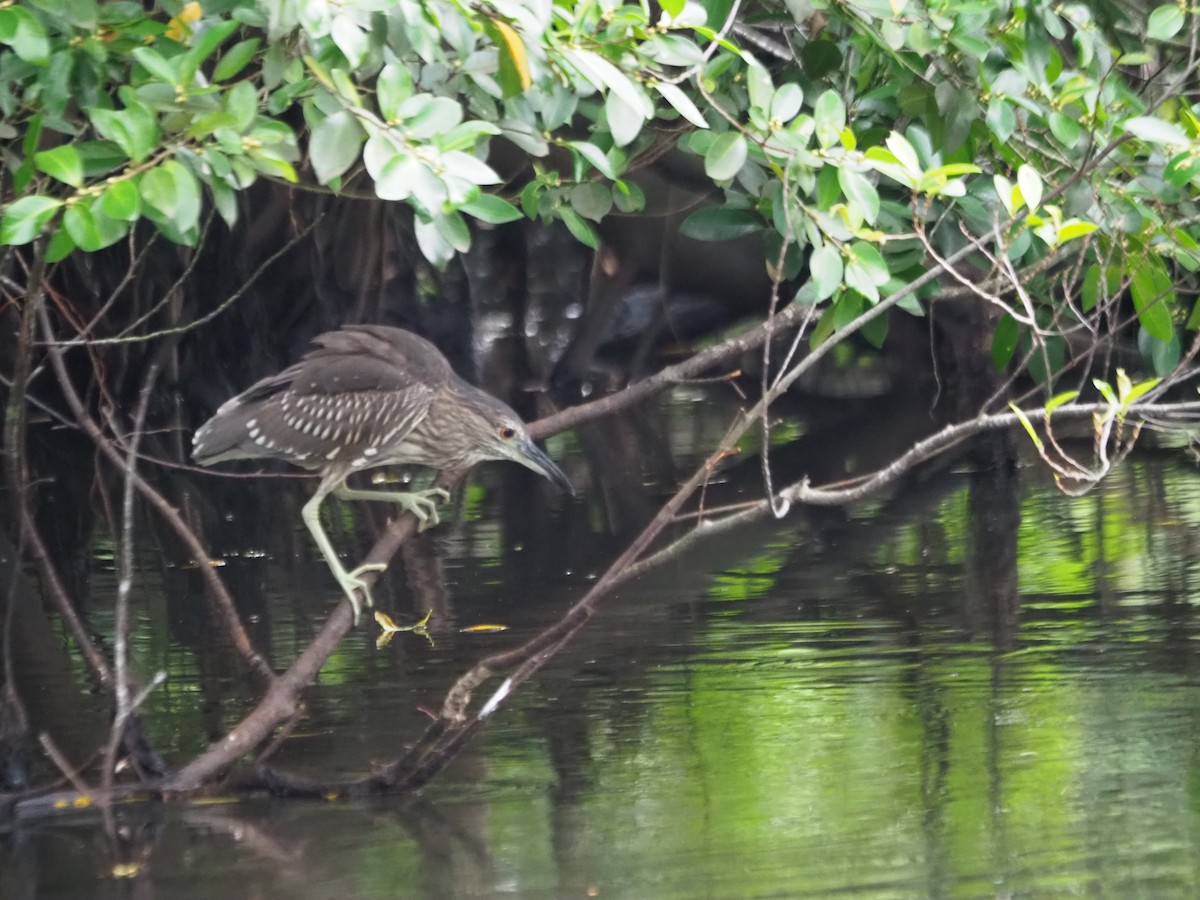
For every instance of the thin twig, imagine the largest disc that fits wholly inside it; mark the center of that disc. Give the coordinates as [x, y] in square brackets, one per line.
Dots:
[207, 317]
[224, 603]
[64, 765]
[124, 585]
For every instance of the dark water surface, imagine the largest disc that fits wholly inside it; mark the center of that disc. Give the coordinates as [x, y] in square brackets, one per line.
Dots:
[975, 688]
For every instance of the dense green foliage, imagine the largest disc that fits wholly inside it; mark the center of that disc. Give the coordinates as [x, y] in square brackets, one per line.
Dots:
[867, 140]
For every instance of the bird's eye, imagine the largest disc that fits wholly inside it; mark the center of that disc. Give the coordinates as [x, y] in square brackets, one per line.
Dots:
[508, 432]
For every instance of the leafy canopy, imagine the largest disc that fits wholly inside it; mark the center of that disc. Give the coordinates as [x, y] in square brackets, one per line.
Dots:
[863, 140]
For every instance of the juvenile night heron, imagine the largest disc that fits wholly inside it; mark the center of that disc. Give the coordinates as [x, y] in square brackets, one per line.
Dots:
[366, 396]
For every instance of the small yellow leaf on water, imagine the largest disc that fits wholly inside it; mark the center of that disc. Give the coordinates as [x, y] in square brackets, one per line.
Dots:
[81, 803]
[483, 629]
[385, 638]
[390, 628]
[180, 27]
[125, 870]
[385, 621]
[61, 804]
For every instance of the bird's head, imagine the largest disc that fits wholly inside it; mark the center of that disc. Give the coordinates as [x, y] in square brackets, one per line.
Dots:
[499, 433]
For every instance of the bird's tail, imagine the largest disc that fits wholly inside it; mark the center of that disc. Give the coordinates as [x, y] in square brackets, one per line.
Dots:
[233, 433]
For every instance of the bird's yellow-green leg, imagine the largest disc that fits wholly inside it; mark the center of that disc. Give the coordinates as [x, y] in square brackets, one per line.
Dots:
[351, 583]
[420, 503]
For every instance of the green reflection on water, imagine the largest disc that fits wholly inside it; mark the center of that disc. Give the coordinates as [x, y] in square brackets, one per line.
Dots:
[862, 729]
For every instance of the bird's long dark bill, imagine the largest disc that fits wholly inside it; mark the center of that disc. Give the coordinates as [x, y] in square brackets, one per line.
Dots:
[535, 458]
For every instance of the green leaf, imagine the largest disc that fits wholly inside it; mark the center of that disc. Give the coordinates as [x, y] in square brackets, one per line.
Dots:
[820, 57]
[133, 129]
[718, 223]
[595, 156]
[203, 47]
[350, 39]
[393, 170]
[469, 167]
[846, 309]
[23, 31]
[99, 158]
[952, 169]
[513, 72]
[829, 114]
[491, 209]
[121, 201]
[1001, 119]
[875, 332]
[235, 59]
[885, 163]
[1030, 183]
[24, 218]
[433, 243]
[1059, 400]
[726, 156]
[241, 103]
[345, 86]
[624, 121]
[628, 197]
[425, 116]
[866, 270]
[172, 194]
[829, 191]
[1156, 131]
[903, 153]
[334, 145]
[157, 188]
[592, 201]
[1075, 229]
[860, 192]
[157, 65]
[1006, 193]
[604, 75]
[759, 85]
[682, 104]
[1024, 420]
[63, 163]
[1065, 129]
[92, 230]
[1163, 356]
[1131, 393]
[60, 247]
[1165, 22]
[673, 7]
[582, 231]
[1004, 341]
[786, 103]
[824, 327]
[393, 87]
[80, 13]
[455, 230]
[1181, 169]
[225, 200]
[1153, 295]
[825, 269]
[1106, 391]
